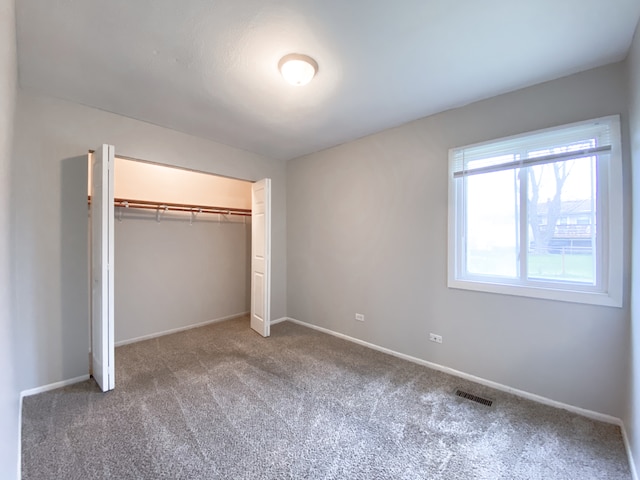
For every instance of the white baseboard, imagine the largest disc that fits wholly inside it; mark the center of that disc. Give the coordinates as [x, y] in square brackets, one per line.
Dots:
[498, 386]
[627, 446]
[279, 320]
[51, 386]
[19, 469]
[179, 329]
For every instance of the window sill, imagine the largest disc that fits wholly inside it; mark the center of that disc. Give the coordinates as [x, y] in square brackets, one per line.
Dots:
[572, 296]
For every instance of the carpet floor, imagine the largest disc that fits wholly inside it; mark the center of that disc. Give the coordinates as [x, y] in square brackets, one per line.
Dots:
[220, 402]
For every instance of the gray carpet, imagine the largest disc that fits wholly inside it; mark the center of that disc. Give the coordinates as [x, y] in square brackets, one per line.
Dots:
[220, 402]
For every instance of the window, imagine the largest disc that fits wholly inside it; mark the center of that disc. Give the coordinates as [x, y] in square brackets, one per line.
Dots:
[540, 214]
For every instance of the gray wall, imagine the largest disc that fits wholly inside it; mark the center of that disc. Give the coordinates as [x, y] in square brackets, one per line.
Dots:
[8, 389]
[367, 233]
[174, 274]
[50, 221]
[632, 414]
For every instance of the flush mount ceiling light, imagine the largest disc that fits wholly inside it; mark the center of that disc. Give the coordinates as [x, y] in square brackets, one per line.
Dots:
[297, 69]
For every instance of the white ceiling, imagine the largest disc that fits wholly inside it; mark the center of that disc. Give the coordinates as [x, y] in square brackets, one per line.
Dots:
[209, 67]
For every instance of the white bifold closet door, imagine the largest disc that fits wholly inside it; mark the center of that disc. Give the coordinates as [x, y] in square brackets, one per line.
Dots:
[261, 256]
[102, 249]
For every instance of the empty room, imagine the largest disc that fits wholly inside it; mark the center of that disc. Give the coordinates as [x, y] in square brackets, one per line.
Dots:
[433, 270]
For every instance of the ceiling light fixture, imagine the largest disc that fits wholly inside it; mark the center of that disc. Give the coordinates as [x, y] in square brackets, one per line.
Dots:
[297, 69]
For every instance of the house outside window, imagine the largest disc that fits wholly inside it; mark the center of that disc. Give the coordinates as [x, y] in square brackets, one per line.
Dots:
[540, 214]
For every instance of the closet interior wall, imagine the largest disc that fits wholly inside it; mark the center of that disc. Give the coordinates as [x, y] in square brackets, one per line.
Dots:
[177, 268]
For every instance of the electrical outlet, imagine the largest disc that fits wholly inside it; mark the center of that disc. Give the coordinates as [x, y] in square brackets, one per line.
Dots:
[435, 338]
[359, 317]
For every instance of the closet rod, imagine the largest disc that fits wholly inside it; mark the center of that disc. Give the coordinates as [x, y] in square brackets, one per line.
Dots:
[178, 207]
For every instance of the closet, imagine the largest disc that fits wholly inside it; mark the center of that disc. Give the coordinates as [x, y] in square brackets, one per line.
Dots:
[182, 249]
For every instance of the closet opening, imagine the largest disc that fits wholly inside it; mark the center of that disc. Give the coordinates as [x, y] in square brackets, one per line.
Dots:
[182, 250]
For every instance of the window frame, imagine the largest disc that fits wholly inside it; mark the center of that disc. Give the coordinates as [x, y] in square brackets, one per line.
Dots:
[609, 267]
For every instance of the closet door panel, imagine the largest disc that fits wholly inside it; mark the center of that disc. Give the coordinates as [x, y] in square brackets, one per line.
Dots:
[261, 256]
[102, 286]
